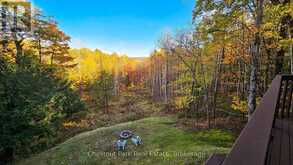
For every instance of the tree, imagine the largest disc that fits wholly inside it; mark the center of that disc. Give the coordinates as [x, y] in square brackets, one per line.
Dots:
[232, 11]
[37, 100]
[255, 54]
[188, 52]
[166, 44]
[58, 45]
[13, 29]
[103, 90]
[31, 92]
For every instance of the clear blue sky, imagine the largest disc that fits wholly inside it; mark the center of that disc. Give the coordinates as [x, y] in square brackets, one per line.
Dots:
[124, 26]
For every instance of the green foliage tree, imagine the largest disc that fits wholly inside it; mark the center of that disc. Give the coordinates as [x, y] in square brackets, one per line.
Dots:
[103, 90]
[33, 103]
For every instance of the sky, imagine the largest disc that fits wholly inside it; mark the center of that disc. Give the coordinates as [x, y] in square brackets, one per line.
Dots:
[130, 27]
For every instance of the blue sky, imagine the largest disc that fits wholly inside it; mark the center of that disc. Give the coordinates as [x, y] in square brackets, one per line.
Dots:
[130, 27]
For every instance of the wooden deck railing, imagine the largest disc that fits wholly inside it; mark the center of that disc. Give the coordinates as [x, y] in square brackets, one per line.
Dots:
[252, 146]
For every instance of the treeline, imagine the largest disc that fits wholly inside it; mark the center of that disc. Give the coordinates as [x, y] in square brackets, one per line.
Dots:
[35, 98]
[222, 65]
[100, 76]
[227, 60]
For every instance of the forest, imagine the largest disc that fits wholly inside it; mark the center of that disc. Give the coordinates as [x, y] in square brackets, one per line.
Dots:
[205, 81]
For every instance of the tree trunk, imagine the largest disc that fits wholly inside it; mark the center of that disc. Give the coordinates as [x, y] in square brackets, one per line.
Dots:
[19, 51]
[286, 23]
[4, 38]
[167, 80]
[217, 75]
[206, 95]
[192, 103]
[290, 50]
[40, 51]
[255, 53]
[279, 61]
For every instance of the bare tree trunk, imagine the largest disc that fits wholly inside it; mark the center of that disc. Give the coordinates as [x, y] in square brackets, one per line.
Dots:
[255, 53]
[206, 95]
[252, 87]
[167, 80]
[161, 80]
[217, 75]
[239, 79]
[244, 82]
[153, 79]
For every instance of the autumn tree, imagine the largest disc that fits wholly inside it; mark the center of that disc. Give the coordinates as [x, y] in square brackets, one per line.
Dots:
[31, 91]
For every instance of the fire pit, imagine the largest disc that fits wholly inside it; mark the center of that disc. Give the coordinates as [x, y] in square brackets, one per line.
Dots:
[126, 134]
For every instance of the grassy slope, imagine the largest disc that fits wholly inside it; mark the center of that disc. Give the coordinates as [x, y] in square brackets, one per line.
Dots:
[161, 139]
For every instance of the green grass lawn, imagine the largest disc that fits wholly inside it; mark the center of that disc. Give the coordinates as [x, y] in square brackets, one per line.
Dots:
[163, 143]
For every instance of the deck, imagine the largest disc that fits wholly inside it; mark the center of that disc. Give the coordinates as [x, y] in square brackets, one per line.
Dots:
[281, 146]
[267, 139]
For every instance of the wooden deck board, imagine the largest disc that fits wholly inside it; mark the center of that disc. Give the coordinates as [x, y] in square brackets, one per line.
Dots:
[281, 144]
[274, 157]
[216, 159]
[285, 144]
[290, 140]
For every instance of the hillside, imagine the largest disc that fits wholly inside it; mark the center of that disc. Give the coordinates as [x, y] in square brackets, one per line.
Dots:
[163, 143]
